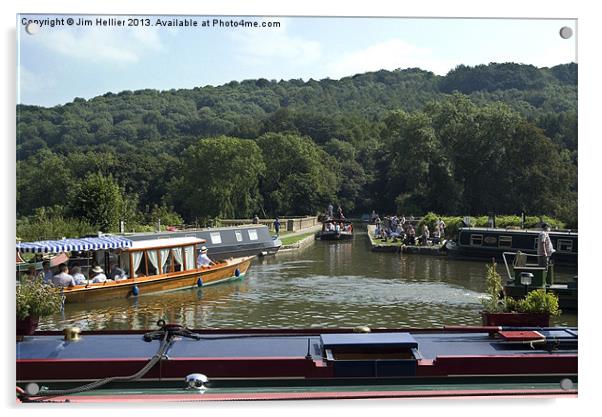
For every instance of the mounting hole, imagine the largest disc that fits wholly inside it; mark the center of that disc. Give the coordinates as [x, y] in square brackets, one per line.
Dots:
[566, 32]
[566, 384]
[32, 28]
[32, 388]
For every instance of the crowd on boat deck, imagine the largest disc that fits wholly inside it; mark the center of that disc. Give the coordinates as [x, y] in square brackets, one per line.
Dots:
[66, 277]
[403, 230]
[338, 227]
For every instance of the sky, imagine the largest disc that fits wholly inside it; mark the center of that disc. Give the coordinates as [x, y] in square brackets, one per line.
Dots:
[57, 64]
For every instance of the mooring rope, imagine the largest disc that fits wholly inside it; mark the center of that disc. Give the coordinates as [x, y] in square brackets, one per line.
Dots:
[165, 343]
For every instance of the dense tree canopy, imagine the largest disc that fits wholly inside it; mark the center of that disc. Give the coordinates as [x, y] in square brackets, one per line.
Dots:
[497, 137]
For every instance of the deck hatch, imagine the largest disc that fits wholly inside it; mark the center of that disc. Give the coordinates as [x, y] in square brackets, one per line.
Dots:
[370, 354]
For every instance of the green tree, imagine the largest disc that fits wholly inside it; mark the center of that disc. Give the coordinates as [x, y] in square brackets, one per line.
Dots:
[300, 178]
[43, 180]
[100, 201]
[220, 178]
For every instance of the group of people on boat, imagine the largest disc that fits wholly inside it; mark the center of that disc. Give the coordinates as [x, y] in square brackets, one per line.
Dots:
[402, 229]
[338, 227]
[66, 277]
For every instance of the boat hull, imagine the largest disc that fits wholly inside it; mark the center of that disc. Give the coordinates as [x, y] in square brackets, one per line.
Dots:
[334, 236]
[167, 282]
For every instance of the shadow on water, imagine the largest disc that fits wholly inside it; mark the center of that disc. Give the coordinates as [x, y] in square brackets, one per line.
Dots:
[328, 284]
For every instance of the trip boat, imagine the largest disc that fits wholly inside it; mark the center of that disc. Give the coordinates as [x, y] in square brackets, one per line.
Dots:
[525, 274]
[177, 364]
[224, 242]
[149, 266]
[335, 229]
[486, 243]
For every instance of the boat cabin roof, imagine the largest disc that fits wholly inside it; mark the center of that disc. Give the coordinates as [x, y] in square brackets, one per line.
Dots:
[164, 243]
[530, 231]
[103, 242]
[79, 244]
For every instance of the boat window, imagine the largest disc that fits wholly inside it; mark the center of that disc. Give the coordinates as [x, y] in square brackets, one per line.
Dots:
[124, 263]
[216, 238]
[505, 241]
[138, 267]
[152, 262]
[476, 240]
[252, 234]
[536, 243]
[190, 261]
[565, 245]
[238, 236]
[163, 261]
[141, 271]
[176, 259]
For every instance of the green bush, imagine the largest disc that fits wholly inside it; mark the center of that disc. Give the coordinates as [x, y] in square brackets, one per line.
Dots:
[48, 224]
[37, 299]
[539, 301]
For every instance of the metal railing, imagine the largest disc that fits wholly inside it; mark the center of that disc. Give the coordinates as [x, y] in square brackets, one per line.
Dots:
[526, 255]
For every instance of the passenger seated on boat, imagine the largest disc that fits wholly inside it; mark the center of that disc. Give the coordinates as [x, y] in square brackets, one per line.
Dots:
[97, 275]
[424, 237]
[46, 273]
[117, 274]
[203, 261]
[78, 277]
[384, 233]
[63, 279]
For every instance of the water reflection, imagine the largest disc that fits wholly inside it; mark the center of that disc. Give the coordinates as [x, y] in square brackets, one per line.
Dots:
[328, 284]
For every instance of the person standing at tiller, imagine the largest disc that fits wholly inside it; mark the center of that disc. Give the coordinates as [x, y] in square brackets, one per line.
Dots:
[544, 246]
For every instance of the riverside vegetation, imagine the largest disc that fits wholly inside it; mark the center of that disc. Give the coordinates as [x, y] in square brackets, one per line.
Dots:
[498, 137]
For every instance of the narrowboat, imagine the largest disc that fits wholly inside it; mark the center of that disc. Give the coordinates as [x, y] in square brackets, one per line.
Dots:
[149, 266]
[525, 274]
[335, 229]
[486, 243]
[224, 242]
[173, 363]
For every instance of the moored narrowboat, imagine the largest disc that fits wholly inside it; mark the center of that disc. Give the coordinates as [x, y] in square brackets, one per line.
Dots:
[174, 362]
[486, 243]
[224, 242]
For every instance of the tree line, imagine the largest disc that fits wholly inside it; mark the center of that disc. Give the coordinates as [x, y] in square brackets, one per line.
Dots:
[500, 137]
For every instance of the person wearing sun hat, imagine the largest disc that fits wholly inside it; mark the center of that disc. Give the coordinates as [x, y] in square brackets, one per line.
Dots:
[97, 274]
[203, 260]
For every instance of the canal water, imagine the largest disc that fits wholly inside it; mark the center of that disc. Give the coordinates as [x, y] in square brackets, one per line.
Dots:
[328, 284]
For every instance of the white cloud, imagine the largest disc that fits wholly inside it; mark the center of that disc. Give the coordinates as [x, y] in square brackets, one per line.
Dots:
[101, 44]
[259, 45]
[388, 55]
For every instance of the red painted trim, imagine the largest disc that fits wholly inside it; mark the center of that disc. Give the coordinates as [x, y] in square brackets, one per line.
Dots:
[500, 365]
[455, 394]
[146, 359]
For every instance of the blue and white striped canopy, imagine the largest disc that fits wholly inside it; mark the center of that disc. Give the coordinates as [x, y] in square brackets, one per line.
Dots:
[67, 245]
